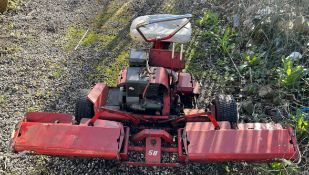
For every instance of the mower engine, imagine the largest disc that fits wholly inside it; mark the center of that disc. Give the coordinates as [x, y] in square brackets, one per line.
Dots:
[146, 88]
[139, 93]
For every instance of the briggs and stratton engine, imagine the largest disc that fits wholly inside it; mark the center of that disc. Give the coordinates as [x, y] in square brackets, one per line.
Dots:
[140, 92]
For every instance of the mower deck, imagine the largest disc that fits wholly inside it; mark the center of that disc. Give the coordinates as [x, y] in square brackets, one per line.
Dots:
[53, 134]
[250, 142]
[101, 140]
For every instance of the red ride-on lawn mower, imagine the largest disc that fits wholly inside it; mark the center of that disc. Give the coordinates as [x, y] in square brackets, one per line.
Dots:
[153, 110]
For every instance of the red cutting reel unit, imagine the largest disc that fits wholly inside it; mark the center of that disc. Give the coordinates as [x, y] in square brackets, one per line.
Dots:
[153, 110]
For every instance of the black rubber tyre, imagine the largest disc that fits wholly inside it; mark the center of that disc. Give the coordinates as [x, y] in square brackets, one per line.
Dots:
[3, 5]
[84, 107]
[225, 108]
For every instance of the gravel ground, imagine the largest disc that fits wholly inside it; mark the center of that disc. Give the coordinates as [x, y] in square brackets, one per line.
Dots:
[37, 74]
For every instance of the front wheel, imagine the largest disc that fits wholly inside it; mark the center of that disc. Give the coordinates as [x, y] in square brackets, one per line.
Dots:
[83, 107]
[225, 108]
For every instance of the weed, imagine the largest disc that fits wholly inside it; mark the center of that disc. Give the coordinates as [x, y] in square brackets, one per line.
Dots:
[33, 109]
[57, 74]
[224, 40]
[3, 99]
[290, 75]
[282, 168]
[210, 19]
[302, 125]
[252, 60]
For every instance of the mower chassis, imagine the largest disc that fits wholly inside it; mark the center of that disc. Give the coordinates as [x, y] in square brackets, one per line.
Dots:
[194, 135]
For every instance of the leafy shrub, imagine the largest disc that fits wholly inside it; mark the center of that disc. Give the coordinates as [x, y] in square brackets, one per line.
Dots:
[210, 19]
[302, 125]
[290, 75]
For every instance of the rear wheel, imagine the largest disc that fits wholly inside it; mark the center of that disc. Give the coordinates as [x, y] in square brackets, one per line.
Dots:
[225, 108]
[84, 107]
[3, 5]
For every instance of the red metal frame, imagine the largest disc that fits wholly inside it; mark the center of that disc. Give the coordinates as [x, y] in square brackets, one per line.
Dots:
[153, 164]
[124, 153]
[163, 58]
[196, 115]
[152, 133]
[198, 141]
[163, 149]
[98, 95]
[108, 114]
[241, 144]
[65, 139]
[48, 117]
[185, 83]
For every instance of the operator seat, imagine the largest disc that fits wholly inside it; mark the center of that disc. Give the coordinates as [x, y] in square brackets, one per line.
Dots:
[154, 29]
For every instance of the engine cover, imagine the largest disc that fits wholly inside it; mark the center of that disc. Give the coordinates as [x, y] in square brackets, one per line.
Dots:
[145, 89]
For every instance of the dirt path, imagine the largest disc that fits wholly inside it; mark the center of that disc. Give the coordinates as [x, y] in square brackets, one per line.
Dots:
[37, 73]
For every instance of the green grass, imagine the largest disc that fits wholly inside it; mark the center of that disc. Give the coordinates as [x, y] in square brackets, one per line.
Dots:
[74, 35]
[13, 5]
[34, 109]
[220, 42]
[3, 99]
[109, 70]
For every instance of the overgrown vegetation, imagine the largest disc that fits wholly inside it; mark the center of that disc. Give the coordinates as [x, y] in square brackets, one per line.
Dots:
[290, 75]
[245, 62]
[214, 41]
